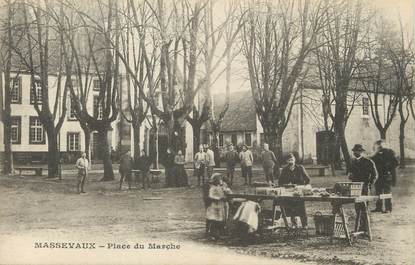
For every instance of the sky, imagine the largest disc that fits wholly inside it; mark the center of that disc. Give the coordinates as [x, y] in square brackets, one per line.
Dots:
[391, 9]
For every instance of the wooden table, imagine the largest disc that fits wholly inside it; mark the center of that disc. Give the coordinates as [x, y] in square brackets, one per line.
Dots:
[336, 202]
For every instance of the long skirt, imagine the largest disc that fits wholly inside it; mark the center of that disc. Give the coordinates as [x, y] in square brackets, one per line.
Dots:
[180, 176]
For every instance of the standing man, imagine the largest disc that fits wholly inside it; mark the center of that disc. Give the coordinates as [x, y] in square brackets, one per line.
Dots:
[362, 169]
[211, 160]
[144, 163]
[200, 163]
[126, 166]
[247, 160]
[386, 163]
[268, 162]
[82, 165]
[295, 174]
[231, 158]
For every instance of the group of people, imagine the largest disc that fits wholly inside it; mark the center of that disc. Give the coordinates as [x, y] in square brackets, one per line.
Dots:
[378, 170]
[127, 164]
[204, 161]
[246, 159]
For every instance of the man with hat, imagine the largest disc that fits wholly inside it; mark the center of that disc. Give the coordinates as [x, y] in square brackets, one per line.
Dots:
[362, 169]
[293, 173]
[386, 163]
[82, 164]
[231, 158]
[125, 169]
[247, 160]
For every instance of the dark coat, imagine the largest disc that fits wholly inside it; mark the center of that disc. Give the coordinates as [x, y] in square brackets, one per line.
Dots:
[231, 158]
[297, 176]
[126, 164]
[144, 163]
[363, 170]
[386, 163]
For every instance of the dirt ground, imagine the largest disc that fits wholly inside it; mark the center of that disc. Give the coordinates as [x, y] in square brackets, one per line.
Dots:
[34, 209]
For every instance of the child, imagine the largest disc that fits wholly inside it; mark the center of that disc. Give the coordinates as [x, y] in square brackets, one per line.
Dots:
[217, 211]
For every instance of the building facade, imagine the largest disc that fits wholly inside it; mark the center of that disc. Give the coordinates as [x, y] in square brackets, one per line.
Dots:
[241, 125]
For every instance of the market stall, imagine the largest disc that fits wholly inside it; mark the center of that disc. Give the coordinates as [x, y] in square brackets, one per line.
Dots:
[282, 197]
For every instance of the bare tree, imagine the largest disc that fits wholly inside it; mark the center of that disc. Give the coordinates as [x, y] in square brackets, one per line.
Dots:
[174, 88]
[376, 75]
[42, 55]
[276, 43]
[402, 57]
[103, 33]
[6, 49]
[229, 31]
[342, 38]
[134, 42]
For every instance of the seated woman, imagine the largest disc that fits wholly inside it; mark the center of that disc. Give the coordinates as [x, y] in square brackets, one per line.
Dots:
[217, 210]
[295, 174]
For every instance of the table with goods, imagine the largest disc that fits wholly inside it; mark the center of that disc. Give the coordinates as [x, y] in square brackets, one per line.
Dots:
[331, 225]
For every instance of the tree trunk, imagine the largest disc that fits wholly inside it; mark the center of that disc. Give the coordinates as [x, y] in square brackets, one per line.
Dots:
[215, 146]
[402, 144]
[137, 146]
[345, 149]
[271, 139]
[87, 136]
[196, 137]
[106, 155]
[278, 146]
[337, 158]
[176, 143]
[8, 156]
[382, 134]
[53, 153]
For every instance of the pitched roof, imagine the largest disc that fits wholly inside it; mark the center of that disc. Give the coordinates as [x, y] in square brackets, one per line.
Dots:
[241, 114]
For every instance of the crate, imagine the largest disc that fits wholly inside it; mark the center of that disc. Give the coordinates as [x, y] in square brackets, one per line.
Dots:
[338, 230]
[349, 189]
[323, 223]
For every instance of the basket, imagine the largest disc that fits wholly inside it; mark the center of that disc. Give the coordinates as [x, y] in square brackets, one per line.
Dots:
[349, 189]
[323, 223]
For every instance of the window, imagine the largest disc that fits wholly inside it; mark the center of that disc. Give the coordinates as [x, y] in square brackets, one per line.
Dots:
[220, 139]
[16, 90]
[365, 106]
[16, 129]
[248, 140]
[36, 132]
[71, 112]
[38, 89]
[96, 85]
[97, 108]
[74, 141]
[234, 139]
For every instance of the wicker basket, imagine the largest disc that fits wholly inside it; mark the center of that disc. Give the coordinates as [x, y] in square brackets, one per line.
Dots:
[350, 189]
[323, 223]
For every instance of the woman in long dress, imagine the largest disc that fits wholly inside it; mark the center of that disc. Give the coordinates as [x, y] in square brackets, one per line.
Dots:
[180, 172]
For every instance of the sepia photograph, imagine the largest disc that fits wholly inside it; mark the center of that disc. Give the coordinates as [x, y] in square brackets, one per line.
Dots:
[212, 132]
